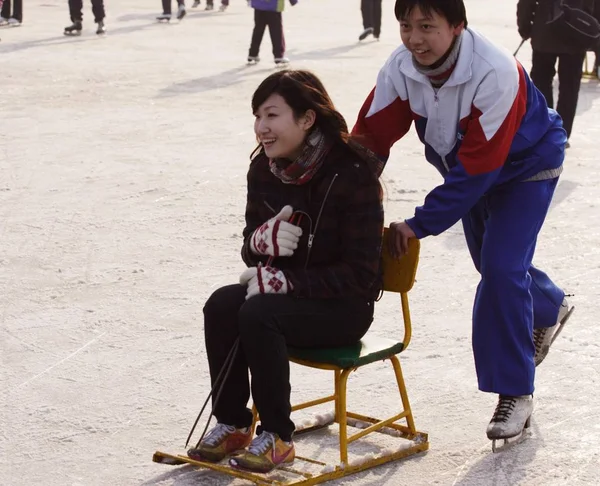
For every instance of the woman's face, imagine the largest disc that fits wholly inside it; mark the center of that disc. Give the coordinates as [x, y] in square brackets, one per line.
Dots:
[427, 37]
[281, 135]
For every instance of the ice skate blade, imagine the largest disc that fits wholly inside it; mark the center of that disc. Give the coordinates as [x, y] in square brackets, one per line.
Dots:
[501, 445]
[562, 324]
[509, 442]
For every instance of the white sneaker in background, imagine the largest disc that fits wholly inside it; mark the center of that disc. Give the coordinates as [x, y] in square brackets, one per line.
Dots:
[3, 21]
[13, 22]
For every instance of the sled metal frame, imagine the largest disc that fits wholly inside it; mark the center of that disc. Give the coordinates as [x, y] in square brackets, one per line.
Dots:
[399, 277]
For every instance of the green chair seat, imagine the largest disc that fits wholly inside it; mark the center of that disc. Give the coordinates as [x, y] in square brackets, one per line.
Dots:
[368, 350]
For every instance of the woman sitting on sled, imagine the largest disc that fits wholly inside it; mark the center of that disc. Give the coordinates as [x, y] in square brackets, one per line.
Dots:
[312, 244]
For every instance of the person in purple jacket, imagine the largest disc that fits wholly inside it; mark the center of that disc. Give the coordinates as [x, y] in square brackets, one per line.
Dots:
[268, 13]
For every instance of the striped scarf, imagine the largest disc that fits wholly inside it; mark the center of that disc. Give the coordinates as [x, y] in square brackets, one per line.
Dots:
[440, 71]
[302, 170]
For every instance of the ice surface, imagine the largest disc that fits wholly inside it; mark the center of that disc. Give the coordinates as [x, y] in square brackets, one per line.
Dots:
[122, 175]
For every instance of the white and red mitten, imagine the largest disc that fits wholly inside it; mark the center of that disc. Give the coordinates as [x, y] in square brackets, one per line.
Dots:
[276, 237]
[264, 280]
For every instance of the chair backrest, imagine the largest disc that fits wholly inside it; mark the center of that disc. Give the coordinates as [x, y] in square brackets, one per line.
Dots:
[399, 275]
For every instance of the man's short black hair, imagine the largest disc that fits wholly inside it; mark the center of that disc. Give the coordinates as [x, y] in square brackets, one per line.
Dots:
[453, 10]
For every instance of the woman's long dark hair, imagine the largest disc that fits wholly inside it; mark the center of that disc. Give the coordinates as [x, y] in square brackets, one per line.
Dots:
[302, 91]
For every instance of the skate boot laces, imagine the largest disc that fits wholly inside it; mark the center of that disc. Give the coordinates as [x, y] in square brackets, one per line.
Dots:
[504, 409]
[539, 335]
[261, 444]
[217, 434]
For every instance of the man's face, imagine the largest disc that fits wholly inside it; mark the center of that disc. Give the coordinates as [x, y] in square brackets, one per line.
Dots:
[427, 37]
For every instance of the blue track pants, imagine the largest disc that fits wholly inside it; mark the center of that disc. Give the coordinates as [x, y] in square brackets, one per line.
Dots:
[513, 296]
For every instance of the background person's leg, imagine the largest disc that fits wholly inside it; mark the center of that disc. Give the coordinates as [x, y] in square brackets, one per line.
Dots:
[98, 10]
[275, 21]
[376, 18]
[569, 81]
[260, 23]
[18, 10]
[542, 73]
[76, 10]
[6, 10]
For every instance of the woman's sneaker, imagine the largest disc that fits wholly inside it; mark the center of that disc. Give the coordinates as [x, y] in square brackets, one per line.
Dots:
[545, 336]
[222, 441]
[266, 452]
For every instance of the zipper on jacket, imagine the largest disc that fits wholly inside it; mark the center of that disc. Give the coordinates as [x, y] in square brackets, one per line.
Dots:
[311, 236]
[436, 104]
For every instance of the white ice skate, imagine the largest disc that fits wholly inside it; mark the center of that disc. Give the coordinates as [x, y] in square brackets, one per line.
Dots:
[196, 3]
[510, 421]
[222, 8]
[74, 29]
[101, 29]
[281, 62]
[164, 17]
[544, 337]
[181, 11]
[252, 60]
[365, 33]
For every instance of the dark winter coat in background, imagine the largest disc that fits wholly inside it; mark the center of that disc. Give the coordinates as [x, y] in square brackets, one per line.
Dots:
[344, 204]
[532, 16]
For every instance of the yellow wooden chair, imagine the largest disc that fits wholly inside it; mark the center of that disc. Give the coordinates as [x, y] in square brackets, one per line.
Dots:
[398, 277]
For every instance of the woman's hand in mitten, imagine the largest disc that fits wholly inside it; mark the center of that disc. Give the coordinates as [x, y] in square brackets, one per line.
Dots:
[264, 280]
[276, 237]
